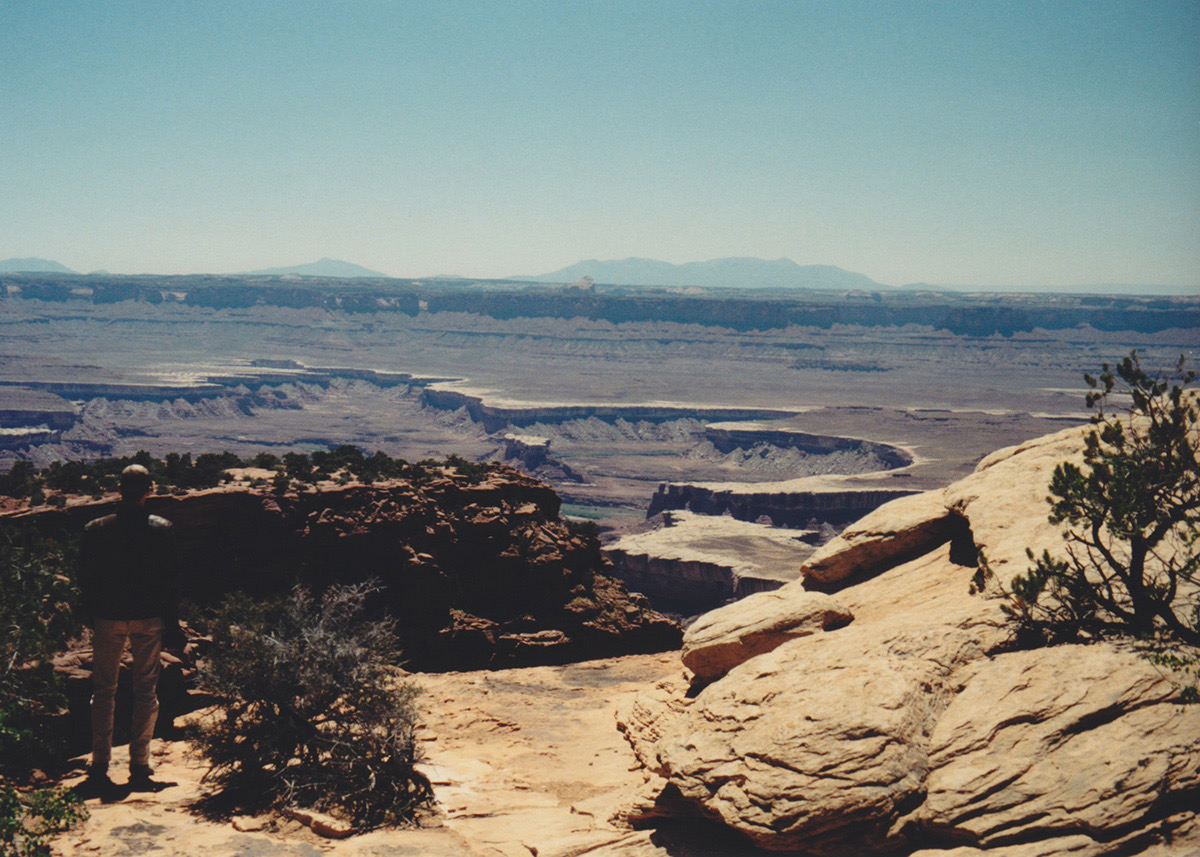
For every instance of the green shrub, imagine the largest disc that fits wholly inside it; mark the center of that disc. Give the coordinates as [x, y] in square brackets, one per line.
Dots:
[30, 819]
[265, 461]
[37, 618]
[472, 470]
[298, 467]
[66, 476]
[1131, 564]
[20, 479]
[314, 715]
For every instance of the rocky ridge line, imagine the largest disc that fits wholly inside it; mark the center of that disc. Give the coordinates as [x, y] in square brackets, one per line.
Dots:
[479, 572]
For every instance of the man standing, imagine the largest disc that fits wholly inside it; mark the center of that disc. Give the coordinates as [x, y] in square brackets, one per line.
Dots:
[130, 582]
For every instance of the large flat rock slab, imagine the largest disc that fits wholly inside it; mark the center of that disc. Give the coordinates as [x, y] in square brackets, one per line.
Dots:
[524, 761]
[697, 562]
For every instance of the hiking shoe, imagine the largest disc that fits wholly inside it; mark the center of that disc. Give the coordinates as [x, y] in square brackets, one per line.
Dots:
[97, 784]
[139, 780]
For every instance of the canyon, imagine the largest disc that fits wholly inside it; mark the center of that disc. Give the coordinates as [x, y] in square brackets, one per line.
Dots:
[813, 473]
[797, 408]
[873, 705]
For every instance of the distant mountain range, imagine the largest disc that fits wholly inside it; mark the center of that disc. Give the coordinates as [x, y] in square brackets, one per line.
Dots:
[33, 266]
[743, 272]
[320, 268]
[733, 272]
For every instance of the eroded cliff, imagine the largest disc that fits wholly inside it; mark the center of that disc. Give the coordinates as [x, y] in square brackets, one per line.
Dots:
[480, 571]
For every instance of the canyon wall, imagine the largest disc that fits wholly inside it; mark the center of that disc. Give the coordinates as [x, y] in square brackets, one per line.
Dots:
[727, 437]
[685, 586]
[793, 509]
[961, 313]
[497, 417]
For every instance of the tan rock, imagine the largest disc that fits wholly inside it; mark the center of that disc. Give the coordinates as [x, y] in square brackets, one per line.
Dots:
[907, 728]
[1004, 500]
[1175, 835]
[1059, 846]
[818, 744]
[1071, 738]
[525, 762]
[894, 533]
[320, 823]
[644, 717]
[719, 641]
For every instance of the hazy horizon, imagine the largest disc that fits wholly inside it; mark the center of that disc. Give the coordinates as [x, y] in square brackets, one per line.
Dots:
[985, 145]
[1144, 289]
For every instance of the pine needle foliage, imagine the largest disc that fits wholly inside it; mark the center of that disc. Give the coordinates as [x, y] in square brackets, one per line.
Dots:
[37, 618]
[1131, 564]
[314, 715]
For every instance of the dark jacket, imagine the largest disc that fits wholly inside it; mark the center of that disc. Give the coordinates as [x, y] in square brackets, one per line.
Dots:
[129, 568]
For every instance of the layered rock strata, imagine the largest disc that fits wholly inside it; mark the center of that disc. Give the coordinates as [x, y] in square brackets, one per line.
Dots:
[911, 727]
[729, 436]
[694, 563]
[785, 505]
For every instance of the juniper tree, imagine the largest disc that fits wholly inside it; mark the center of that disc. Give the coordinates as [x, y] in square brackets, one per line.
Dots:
[1132, 516]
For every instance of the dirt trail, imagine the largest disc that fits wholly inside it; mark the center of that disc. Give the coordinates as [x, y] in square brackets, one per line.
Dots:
[525, 763]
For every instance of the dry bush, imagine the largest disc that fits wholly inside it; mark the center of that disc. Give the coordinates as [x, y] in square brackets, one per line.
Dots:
[314, 715]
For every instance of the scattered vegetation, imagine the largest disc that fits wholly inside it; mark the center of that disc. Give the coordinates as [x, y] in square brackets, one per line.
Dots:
[583, 528]
[37, 616]
[314, 714]
[30, 819]
[1132, 515]
[179, 472]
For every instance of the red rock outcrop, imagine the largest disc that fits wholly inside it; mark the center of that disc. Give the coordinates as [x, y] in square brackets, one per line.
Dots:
[479, 572]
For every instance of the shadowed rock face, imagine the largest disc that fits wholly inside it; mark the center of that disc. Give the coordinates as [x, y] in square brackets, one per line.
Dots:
[790, 508]
[695, 563]
[904, 723]
[478, 574]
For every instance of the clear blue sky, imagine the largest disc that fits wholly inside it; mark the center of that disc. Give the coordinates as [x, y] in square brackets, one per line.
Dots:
[985, 143]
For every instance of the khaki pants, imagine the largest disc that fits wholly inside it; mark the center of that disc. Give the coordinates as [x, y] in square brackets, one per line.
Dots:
[108, 643]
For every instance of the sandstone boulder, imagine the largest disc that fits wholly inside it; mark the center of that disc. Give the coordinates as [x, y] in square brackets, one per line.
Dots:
[914, 726]
[898, 531]
[719, 641]
[819, 744]
[1004, 500]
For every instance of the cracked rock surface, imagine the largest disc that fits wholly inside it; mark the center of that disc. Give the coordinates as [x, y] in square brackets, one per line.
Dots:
[912, 728]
